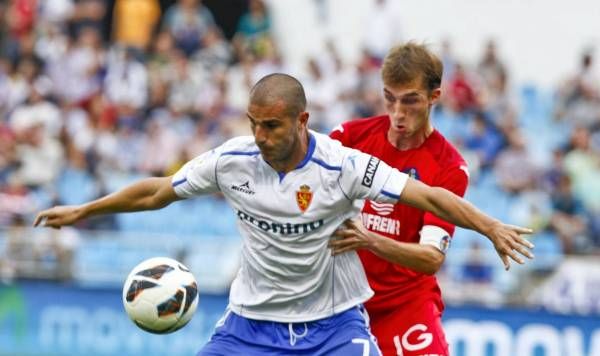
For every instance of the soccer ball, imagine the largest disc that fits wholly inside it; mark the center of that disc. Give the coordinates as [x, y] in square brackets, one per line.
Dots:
[160, 295]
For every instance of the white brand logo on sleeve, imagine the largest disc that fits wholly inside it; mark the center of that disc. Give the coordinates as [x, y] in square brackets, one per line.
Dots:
[367, 180]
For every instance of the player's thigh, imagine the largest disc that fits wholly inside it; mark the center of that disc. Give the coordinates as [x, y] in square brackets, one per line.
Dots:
[411, 331]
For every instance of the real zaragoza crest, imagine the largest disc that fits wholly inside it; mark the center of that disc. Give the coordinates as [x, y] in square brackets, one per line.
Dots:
[304, 197]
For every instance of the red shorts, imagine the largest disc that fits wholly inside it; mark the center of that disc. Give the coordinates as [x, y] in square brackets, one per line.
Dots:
[415, 329]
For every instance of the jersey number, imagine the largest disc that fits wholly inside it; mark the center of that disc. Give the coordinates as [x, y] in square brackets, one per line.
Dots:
[365, 343]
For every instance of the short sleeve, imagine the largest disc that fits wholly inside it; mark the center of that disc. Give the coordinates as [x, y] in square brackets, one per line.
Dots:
[340, 133]
[366, 177]
[198, 176]
[456, 180]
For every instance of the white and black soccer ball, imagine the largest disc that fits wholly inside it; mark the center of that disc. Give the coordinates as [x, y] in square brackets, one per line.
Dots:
[160, 295]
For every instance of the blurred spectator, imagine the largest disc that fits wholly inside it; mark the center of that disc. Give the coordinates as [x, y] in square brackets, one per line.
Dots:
[76, 183]
[531, 207]
[40, 156]
[77, 74]
[126, 84]
[582, 164]
[514, 166]
[52, 43]
[321, 92]
[476, 268]
[449, 60]
[216, 54]
[346, 80]
[460, 93]
[253, 28]
[134, 22]
[4, 72]
[384, 28]
[269, 61]
[484, 140]
[495, 97]
[554, 173]
[56, 11]
[568, 219]
[240, 78]
[8, 157]
[15, 200]
[490, 68]
[20, 18]
[37, 109]
[579, 98]
[16, 83]
[188, 79]
[368, 87]
[160, 146]
[188, 21]
[89, 14]
[476, 277]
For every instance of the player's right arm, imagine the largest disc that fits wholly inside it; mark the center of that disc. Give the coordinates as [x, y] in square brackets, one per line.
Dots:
[147, 194]
[196, 177]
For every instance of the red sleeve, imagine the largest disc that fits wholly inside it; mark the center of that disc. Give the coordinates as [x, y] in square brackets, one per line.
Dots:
[340, 133]
[454, 179]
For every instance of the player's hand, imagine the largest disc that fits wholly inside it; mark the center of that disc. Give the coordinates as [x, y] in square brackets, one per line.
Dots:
[58, 216]
[351, 235]
[509, 243]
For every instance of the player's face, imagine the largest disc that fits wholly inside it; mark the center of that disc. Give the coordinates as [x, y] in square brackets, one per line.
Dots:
[276, 134]
[408, 107]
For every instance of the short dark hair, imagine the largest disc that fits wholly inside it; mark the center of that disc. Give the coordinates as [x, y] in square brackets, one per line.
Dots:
[409, 62]
[280, 86]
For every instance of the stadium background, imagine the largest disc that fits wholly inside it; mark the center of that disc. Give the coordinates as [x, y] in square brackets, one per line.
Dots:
[95, 94]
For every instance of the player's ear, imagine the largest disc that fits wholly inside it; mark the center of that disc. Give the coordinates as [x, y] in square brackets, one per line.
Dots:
[435, 95]
[303, 118]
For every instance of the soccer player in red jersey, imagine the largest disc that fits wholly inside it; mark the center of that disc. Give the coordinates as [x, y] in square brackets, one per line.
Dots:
[402, 247]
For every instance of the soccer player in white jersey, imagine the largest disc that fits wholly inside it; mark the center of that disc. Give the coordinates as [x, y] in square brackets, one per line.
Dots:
[291, 189]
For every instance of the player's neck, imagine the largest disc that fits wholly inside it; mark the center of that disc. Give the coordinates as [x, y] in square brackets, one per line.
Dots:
[298, 154]
[415, 140]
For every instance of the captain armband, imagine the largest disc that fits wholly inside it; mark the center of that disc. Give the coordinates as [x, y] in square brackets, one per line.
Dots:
[435, 236]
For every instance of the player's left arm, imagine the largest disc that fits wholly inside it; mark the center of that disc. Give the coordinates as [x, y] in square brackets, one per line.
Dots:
[366, 177]
[507, 239]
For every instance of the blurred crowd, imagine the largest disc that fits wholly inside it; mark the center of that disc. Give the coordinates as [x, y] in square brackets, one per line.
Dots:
[91, 90]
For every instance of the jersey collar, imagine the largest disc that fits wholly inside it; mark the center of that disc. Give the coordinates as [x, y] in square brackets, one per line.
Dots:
[312, 142]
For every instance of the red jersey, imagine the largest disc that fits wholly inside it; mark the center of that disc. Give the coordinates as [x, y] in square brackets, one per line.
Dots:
[437, 163]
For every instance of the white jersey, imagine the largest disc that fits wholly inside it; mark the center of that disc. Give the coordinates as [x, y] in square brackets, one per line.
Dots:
[287, 273]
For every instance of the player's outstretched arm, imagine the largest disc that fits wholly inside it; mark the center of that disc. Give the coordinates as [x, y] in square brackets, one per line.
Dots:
[147, 194]
[507, 239]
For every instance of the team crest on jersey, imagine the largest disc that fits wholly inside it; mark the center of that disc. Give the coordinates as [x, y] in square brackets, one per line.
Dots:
[412, 172]
[304, 197]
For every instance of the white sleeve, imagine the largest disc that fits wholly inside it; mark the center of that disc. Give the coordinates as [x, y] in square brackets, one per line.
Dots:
[366, 177]
[198, 176]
